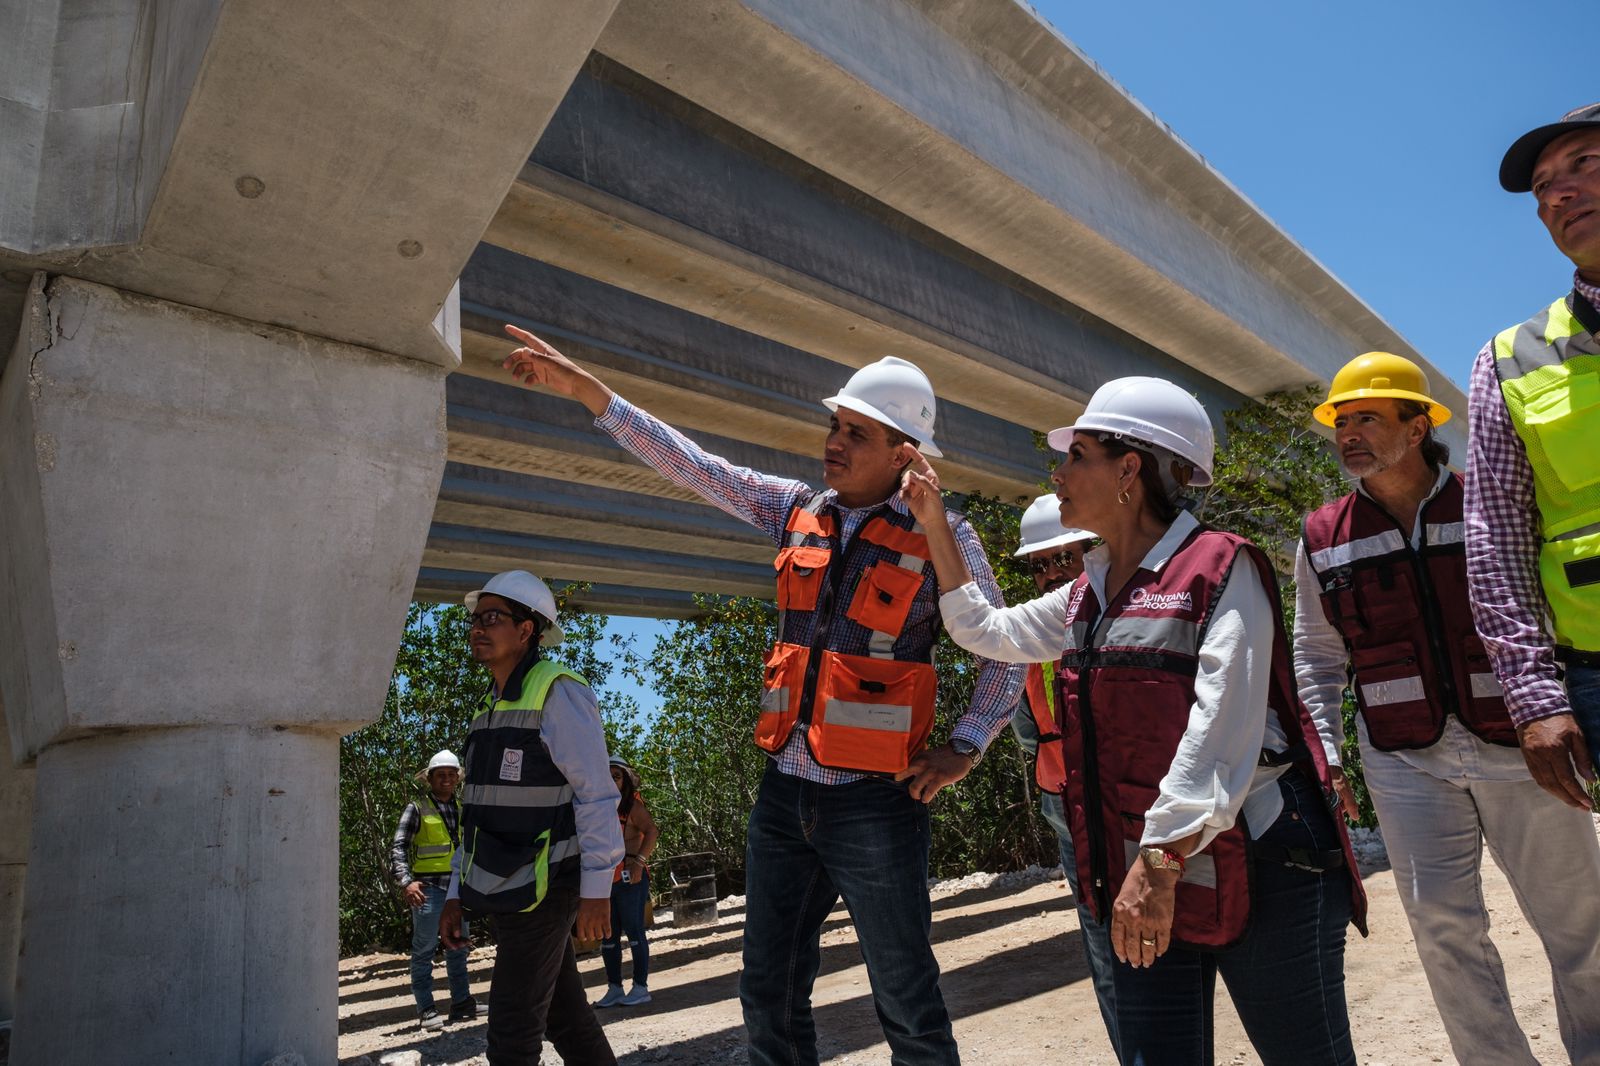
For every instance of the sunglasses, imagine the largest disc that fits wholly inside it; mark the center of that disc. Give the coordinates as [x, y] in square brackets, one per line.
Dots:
[1061, 559]
[490, 618]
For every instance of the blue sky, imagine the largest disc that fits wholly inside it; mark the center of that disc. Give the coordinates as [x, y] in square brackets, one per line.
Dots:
[1370, 132]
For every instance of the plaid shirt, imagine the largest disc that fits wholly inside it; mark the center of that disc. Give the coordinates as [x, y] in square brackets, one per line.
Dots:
[1503, 539]
[400, 848]
[765, 502]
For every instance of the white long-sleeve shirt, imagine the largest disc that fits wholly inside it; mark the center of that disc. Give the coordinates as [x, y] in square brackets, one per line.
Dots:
[1214, 777]
[1320, 663]
[571, 732]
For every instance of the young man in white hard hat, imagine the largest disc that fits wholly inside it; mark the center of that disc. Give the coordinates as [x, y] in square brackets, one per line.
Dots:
[539, 833]
[1381, 591]
[420, 859]
[848, 702]
[1053, 554]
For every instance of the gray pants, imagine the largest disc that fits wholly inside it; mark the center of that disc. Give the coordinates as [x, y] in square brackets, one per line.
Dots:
[1435, 829]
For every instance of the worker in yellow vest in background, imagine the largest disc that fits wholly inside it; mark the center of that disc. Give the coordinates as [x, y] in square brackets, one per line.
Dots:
[420, 859]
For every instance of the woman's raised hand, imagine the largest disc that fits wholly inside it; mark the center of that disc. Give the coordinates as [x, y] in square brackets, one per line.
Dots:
[919, 488]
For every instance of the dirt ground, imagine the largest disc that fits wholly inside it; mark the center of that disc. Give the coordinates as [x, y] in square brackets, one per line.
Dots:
[1013, 976]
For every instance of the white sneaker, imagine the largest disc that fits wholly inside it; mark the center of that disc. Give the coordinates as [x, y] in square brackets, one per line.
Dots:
[613, 996]
[637, 995]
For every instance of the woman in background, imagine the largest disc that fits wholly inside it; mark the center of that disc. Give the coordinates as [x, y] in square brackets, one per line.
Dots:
[630, 891]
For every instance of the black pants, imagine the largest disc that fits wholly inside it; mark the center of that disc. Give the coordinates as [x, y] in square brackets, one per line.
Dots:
[536, 989]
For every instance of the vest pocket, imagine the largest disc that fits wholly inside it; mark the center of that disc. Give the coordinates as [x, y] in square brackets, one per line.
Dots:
[781, 685]
[1484, 699]
[883, 598]
[1562, 417]
[871, 714]
[1211, 907]
[1390, 692]
[801, 571]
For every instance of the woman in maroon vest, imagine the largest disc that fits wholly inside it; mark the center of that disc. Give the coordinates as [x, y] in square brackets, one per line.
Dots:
[1197, 791]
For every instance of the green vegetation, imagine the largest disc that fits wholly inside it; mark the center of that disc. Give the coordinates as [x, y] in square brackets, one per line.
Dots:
[699, 766]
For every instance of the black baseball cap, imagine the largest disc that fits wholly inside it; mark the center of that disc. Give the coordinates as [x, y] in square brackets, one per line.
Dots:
[1516, 169]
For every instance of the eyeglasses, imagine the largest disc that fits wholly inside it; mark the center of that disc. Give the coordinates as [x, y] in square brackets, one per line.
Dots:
[490, 618]
[1061, 559]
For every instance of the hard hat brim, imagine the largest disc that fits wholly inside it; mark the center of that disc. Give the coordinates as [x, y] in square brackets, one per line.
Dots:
[1516, 166]
[926, 447]
[1061, 440]
[552, 634]
[1326, 412]
[1068, 536]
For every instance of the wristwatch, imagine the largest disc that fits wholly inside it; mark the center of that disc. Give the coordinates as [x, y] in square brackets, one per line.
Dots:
[967, 748]
[1162, 859]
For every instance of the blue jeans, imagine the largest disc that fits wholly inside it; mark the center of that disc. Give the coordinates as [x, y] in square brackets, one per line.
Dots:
[808, 845]
[1583, 692]
[1095, 936]
[1286, 976]
[627, 916]
[425, 941]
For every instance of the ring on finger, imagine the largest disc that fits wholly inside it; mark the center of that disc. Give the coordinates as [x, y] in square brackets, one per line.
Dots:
[1148, 941]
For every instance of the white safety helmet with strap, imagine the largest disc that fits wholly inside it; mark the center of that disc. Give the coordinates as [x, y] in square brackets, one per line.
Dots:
[896, 393]
[523, 588]
[442, 760]
[1042, 528]
[1153, 412]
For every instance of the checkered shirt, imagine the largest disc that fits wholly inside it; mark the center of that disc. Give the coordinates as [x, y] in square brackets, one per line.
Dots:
[765, 502]
[1508, 601]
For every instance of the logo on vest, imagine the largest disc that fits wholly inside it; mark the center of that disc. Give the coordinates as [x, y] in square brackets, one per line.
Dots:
[1142, 599]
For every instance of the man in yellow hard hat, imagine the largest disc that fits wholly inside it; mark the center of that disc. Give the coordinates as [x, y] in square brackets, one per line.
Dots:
[1381, 602]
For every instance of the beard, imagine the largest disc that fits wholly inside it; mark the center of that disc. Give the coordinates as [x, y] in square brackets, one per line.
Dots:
[1382, 457]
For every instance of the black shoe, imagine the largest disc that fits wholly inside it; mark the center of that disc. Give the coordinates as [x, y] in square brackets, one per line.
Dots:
[430, 1019]
[465, 1010]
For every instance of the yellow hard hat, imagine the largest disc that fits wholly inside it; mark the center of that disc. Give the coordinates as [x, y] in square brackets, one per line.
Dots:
[1380, 374]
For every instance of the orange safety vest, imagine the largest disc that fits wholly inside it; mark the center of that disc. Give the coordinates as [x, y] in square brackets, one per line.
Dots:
[853, 661]
[1049, 765]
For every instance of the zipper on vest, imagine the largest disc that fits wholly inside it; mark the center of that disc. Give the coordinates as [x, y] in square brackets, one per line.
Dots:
[824, 616]
[1092, 807]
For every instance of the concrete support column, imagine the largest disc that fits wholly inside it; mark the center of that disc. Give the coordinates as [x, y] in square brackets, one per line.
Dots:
[16, 828]
[209, 530]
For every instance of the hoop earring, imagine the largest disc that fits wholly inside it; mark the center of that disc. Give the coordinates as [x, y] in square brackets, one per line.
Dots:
[1123, 497]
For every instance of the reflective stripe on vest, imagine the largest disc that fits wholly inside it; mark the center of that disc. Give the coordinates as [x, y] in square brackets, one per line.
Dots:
[855, 635]
[518, 830]
[1124, 712]
[1549, 374]
[1415, 656]
[431, 845]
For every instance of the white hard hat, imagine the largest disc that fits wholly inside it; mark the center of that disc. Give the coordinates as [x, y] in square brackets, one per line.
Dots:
[445, 759]
[1150, 411]
[1042, 528]
[522, 587]
[896, 393]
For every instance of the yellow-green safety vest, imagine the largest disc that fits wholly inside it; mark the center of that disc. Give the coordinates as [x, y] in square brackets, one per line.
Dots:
[1549, 374]
[431, 846]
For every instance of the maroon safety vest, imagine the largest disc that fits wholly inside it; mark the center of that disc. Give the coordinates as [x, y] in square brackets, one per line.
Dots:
[1126, 687]
[1049, 765]
[1415, 657]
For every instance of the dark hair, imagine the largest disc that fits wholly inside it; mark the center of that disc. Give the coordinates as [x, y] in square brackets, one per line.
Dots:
[629, 790]
[1160, 501]
[1435, 452]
